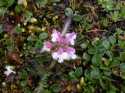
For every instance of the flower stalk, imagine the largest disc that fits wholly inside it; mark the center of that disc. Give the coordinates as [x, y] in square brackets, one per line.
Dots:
[66, 26]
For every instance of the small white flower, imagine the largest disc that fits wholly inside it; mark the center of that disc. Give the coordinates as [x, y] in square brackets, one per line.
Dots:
[9, 70]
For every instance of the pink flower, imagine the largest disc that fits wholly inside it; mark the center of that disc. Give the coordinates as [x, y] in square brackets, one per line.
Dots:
[60, 46]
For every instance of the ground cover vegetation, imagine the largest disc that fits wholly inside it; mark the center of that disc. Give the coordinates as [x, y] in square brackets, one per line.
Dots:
[62, 46]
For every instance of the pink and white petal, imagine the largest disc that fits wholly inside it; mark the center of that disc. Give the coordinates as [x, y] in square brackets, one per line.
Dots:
[55, 35]
[71, 37]
[70, 50]
[60, 60]
[47, 46]
[74, 56]
[55, 55]
[65, 56]
[44, 49]
[60, 51]
[7, 73]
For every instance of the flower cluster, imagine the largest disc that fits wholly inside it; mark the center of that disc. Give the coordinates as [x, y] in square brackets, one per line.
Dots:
[60, 46]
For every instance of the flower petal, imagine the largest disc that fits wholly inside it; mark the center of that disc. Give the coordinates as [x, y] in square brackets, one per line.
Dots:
[71, 38]
[70, 50]
[55, 55]
[65, 56]
[55, 36]
[74, 56]
[47, 46]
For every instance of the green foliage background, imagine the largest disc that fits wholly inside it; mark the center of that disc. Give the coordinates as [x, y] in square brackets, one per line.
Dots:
[100, 46]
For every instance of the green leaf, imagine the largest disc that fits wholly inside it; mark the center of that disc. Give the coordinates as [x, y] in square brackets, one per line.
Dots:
[106, 44]
[112, 89]
[43, 36]
[84, 45]
[23, 74]
[18, 29]
[122, 12]
[107, 4]
[75, 74]
[18, 8]
[86, 57]
[2, 11]
[55, 88]
[28, 15]
[10, 2]
[23, 83]
[121, 43]
[78, 72]
[112, 40]
[114, 62]
[122, 67]
[41, 3]
[72, 75]
[38, 44]
[96, 59]
[115, 16]
[6, 3]
[122, 56]
[2, 3]
[55, 1]
[95, 73]
[77, 18]
[68, 12]
[46, 91]
[1, 28]
[92, 50]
